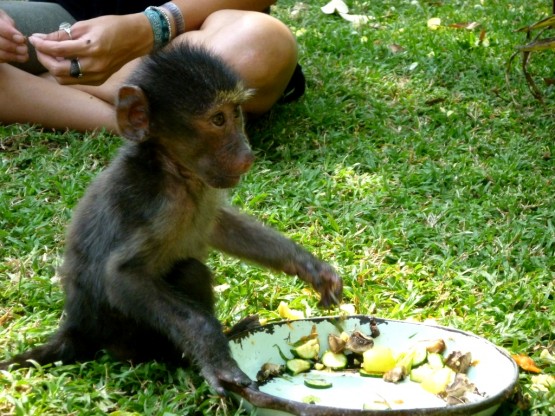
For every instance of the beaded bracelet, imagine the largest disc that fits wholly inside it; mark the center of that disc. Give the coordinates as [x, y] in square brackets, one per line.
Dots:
[166, 18]
[160, 26]
[177, 17]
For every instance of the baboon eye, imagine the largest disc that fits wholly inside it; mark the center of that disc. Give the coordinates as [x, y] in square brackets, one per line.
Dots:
[218, 119]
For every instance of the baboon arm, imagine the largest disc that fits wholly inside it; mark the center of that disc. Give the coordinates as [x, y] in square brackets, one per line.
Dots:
[244, 237]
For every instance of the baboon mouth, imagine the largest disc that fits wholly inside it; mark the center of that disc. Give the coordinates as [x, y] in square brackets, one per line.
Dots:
[225, 181]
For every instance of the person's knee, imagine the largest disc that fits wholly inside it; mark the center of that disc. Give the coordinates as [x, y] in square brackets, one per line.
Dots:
[261, 48]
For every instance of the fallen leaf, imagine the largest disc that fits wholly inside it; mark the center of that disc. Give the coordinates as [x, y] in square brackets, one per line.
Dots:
[355, 19]
[433, 101]
[434, 23]
[468, 26]
[482, 38]
[394, 48]
[6, 317]
[335, 5]
[526, 363]
[298, 9]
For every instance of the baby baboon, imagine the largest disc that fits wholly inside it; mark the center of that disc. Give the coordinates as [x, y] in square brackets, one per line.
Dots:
[133, 270]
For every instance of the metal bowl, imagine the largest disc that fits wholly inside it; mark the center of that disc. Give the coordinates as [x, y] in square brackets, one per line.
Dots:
[494, 372]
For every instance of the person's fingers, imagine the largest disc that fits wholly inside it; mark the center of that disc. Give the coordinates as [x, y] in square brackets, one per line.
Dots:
[58, 48]
[12, 43]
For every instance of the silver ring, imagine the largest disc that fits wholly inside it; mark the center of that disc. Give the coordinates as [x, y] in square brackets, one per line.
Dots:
[75, 68]
[66, 27]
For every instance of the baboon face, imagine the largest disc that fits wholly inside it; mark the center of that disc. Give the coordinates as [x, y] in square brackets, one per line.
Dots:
[217, 151]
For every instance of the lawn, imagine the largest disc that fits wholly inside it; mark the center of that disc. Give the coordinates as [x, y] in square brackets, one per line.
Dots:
[410, 164]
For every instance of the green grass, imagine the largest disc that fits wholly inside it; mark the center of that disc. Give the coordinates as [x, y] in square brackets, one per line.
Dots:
[421, 175]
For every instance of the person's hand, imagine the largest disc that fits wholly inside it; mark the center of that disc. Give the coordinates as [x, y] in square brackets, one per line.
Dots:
[101, 45]
[12, 42]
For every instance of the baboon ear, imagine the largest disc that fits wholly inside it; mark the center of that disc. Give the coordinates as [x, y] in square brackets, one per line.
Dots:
[132, 113]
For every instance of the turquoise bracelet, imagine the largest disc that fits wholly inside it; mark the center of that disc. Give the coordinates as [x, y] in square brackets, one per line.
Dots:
[160, 26]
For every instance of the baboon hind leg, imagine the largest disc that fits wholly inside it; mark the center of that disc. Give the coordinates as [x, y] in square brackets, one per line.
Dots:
[67, 345]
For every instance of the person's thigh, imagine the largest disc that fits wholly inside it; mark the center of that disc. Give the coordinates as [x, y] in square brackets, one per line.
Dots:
[34, 17]
[259, 47]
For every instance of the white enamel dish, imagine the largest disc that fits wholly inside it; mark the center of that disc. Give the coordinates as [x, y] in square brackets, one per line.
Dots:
[494, 373]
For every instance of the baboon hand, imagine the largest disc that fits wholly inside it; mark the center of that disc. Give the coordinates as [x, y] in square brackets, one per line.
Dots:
[227, 372]
[322, 277]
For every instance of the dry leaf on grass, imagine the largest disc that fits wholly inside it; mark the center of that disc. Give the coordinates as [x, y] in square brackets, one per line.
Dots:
[526, 363]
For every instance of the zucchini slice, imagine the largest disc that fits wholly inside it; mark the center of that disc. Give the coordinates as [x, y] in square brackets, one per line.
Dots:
[334, 361]
[365, 373]
[308, 351]
[297, 366]
[317, 383]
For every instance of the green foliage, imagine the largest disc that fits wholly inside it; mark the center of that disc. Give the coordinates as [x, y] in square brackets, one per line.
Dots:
[407, 165]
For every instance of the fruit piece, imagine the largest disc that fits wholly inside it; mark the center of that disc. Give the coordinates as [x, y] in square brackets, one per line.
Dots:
[286, 312]
[438, 380]
[378, 359]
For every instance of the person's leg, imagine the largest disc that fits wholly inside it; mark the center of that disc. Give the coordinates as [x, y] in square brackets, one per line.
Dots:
[26, 98]
[258, 46]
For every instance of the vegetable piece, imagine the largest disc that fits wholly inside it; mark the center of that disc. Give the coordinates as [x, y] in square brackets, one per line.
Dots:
[358, 342]
[437, 346]
[396, 374]
[334, 361]
[420, 373]
[458, 362]
[378, 359]
[308, 351]
[310, 399]
[419, 355]
[365, 373]
[337, 344]
[459, 391]
[317, 383]
[376, 406]
[297, 366]
[438, 380]
[319, 366]
[435, 360]
[269, 370]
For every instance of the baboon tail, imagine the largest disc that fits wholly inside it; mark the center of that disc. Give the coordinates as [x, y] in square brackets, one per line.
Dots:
[64, 346]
